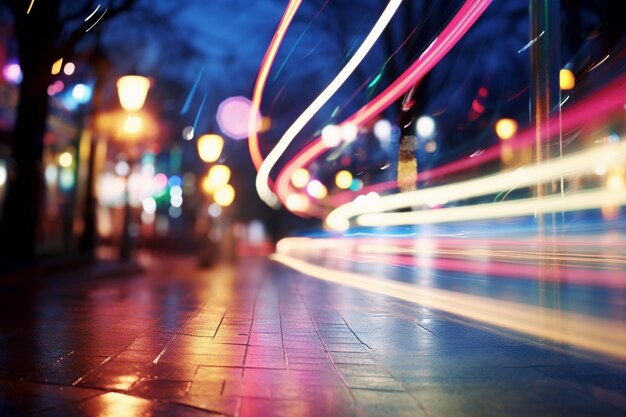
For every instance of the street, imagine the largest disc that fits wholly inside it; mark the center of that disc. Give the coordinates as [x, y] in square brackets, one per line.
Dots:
[260, 339]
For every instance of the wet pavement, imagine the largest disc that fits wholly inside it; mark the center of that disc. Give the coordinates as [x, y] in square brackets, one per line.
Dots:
[259, 339]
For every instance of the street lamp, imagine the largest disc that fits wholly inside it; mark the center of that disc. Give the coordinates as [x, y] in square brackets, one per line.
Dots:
[132, 91]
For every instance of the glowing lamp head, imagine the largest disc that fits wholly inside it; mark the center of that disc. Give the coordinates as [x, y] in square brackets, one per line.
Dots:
[225, 195]
[210, 147]
[132, 91]
[506, 128]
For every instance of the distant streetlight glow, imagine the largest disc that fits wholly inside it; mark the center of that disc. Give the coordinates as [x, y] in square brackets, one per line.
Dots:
[132, 91]
[210, 147]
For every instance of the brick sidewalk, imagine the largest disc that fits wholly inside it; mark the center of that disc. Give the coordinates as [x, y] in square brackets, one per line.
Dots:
[261, 340]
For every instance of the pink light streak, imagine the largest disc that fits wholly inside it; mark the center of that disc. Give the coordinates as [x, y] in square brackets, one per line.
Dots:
[452, 33]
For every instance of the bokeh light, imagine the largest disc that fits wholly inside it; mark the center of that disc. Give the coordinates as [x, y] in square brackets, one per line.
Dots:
[232, 117]
[331, 135]
[214, 210]
[225, 195]
[69, 68]
[81, 93]
[349, 132]
[382, 130]
[343, 179]
[300, 178]
[66, 159]
[506, 128]
[56, 66]
[296, 202]
[12, 73]
[567, 80]
[316, 189]
[188, 132]
[425, 126]
[210, 147]
[218, 176]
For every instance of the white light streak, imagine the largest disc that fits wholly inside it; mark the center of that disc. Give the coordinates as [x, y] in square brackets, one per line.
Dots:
[262, 179]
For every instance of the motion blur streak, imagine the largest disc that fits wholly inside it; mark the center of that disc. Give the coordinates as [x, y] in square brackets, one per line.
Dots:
[259, 86]
[564, 274]
[588, 112]
[262, 178]
[451, 34]
[595, 334]
[597, 264]
[585, 200]
[575, 164]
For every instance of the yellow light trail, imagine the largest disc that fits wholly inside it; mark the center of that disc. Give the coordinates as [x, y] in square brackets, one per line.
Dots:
[30, 6]
[586, 200]
[594, 334]
[575, 164]
[262, 179]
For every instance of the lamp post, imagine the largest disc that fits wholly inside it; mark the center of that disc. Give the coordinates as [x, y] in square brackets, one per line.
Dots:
[132, 91]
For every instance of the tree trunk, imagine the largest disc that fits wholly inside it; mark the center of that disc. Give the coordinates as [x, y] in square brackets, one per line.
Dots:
[21, 215]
